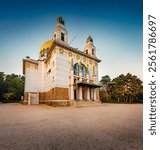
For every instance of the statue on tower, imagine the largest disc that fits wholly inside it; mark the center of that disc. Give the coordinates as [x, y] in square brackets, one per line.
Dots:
[89, 39]
[60, 20]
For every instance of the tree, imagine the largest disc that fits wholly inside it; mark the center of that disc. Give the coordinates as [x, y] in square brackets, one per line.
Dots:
[3, 87]
[105, 90]
[124, 88]
[11, 87]
[127, 88]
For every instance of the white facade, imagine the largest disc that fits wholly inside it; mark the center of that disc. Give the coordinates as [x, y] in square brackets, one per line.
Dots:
[62, 72]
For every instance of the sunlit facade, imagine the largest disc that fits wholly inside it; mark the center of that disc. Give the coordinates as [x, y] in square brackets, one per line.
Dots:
[62, 73]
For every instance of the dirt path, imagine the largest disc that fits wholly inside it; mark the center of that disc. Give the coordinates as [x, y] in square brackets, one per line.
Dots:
[111, 127]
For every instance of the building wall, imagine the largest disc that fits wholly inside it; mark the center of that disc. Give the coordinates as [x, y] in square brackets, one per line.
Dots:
[87, 62]
[62, 68]
[52, 77]
[54, 94]
[32, 79]
[49, 73]
[26, 95]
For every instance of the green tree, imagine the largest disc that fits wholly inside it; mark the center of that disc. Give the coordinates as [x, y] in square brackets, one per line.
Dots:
[15, 84]
[105, 89]
[124, 88]
[117, 88]
[127, 88]
[3, 87]
[11, 87]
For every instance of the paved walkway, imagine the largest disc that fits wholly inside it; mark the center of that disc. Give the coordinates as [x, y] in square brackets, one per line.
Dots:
[109, 127]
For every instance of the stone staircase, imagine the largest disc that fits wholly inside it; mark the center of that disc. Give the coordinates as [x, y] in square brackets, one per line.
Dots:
[73, 103]
[56, 103]
[83, 103]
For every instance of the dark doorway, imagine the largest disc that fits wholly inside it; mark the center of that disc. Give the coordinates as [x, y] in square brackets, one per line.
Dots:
[75, 94]
[84, 93]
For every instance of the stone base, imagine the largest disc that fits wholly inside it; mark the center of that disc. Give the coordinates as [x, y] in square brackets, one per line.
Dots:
[53, 94]
[24, 102]
[83, 103]
[56, 103]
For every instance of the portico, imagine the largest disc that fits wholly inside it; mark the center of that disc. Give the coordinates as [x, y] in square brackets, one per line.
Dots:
[82, 87]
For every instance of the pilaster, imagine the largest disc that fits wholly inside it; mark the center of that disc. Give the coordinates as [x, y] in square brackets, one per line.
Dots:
[80, 93]
[72, 84]
[95, 94]
[29, 100]
[88, 93]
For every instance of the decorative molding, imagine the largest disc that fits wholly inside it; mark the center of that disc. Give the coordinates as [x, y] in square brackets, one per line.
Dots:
[90, 61]
[70, 54]
[61, 50]
[77, 56]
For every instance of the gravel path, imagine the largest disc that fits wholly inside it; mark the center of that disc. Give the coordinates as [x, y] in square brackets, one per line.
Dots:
[110, 127]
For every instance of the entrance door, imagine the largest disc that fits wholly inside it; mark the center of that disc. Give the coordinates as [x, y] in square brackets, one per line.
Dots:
[34, 98]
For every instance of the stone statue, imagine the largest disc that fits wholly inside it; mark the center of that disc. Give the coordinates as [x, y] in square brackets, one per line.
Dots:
[60, 20]
[89, 39]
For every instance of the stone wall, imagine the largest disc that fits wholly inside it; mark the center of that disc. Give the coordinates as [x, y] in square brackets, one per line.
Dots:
[26, 94]
[55, 94]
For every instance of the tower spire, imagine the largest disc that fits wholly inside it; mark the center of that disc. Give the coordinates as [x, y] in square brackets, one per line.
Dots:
[60, 33]
[89, 47]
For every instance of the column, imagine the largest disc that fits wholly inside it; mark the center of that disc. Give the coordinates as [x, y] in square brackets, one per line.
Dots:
[80, 93]
[38, 97]
[72, 85]
[29, 100]
[95, 95]
[98, 98]
[88, 93]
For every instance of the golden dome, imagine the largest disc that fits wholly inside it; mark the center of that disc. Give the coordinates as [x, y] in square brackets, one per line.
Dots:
[46, 45]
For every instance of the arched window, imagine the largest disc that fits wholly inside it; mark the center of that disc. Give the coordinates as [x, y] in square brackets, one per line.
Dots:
[84, 71]
[77, 68]
[54, 36]
[92, 51]
[62, 37]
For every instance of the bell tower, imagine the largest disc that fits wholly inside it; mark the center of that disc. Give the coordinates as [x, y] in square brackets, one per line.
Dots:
[90, 48]
[60, 33]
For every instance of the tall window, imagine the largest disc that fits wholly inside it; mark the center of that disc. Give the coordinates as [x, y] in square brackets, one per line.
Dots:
[86, 51]
[84, 70]
[77, 68]
[62, 36]
[55, 36]
[92, 51]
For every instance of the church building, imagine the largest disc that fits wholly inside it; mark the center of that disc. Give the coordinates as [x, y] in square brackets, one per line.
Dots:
[62, 73]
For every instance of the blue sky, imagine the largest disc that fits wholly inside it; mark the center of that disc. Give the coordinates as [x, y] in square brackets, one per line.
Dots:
[116, 27]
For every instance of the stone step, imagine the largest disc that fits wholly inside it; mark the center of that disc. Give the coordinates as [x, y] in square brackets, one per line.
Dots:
[85, 103]
[57, 103]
